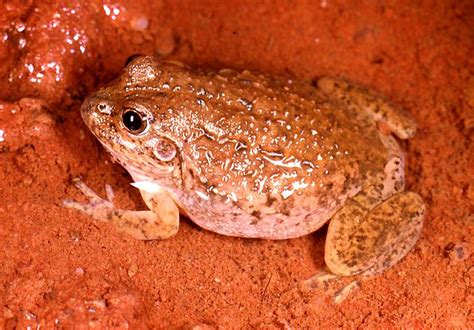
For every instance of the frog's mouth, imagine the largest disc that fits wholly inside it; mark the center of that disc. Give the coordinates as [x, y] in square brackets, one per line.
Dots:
[133, 166]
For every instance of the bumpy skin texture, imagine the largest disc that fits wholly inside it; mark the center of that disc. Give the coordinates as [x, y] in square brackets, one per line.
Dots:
[251, 155]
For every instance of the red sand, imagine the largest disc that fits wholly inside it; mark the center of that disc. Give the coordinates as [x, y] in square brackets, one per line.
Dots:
[59, 267]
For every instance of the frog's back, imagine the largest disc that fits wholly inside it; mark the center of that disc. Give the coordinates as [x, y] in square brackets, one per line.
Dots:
[263, 156]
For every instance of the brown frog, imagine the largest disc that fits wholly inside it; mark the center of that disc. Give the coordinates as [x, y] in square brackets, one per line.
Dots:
[250, 155]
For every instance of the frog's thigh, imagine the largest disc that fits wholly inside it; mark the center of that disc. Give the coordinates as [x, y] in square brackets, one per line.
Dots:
[372, 240]
[364, 99]
[160, 222]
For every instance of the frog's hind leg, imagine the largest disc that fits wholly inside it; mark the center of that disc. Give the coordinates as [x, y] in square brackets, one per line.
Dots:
[377, 107]
[368, 240]
[160, 222]
[378, 226]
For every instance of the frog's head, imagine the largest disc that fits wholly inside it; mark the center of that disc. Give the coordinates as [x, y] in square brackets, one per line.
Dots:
[125, 117]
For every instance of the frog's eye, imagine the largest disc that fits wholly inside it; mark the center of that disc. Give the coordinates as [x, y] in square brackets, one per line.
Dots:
[135, 122]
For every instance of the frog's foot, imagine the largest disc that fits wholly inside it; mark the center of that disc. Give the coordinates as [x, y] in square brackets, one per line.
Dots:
[368, 239]
[378, 108]
[98, 208]
[324, 280]
[162, 221]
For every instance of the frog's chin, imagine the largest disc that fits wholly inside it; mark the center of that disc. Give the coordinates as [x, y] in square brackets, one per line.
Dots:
[147, 186]
[144, 182]
[138, 171]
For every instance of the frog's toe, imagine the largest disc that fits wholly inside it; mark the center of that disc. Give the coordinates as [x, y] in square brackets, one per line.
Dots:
[97, 207]
[109, 193]
[369, 241]
[88, 192]
[69, 203]
[324, 280]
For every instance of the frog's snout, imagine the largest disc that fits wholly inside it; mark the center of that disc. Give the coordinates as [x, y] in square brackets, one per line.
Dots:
[95, 110]
[86, 111]
[85, 108]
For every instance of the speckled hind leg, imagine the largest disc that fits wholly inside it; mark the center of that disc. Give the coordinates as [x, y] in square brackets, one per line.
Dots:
[363, 238]
[160, 222]
[378, 226]
[378, 108]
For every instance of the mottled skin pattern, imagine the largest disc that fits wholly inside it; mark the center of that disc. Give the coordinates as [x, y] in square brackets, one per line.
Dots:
[251, 155]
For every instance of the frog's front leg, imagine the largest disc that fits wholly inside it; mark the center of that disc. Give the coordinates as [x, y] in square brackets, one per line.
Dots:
[160, 222]
[360, 98]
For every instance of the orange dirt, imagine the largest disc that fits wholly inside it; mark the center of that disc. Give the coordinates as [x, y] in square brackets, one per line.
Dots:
[59, 267]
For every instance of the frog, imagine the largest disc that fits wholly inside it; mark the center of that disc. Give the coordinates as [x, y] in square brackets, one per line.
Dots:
[255, 155]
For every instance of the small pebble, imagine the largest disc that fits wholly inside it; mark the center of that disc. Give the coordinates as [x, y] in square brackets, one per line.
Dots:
[165, 43]
[456, 252]
[140, 23]
[132, 270]
[79, 271]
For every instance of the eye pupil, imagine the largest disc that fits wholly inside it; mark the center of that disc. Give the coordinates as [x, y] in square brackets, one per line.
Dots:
[133, 121]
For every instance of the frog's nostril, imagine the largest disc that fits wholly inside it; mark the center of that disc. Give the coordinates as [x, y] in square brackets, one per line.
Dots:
[104, 108]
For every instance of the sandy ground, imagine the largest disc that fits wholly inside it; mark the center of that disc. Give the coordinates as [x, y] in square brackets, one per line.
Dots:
[60, 268]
